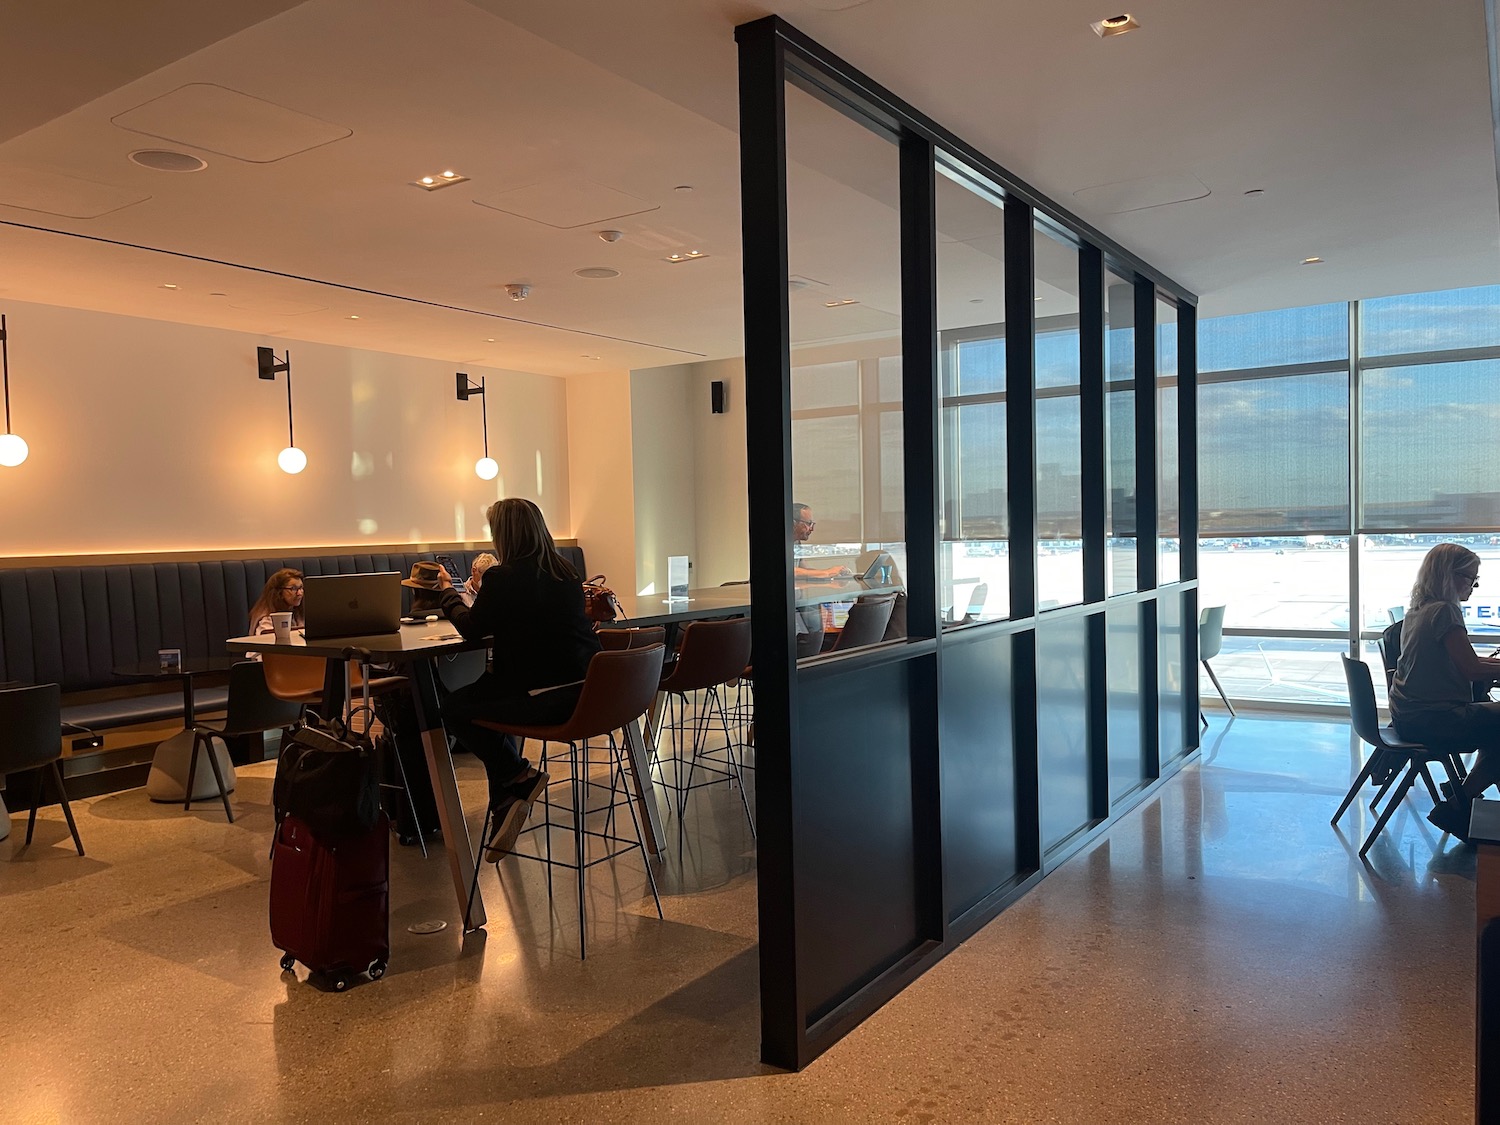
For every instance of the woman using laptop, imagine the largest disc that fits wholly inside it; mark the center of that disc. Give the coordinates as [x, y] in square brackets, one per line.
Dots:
[1432, 699]
[531, 604]
[283, 594]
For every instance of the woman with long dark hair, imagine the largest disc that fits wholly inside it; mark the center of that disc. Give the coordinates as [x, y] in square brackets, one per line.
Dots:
[1432, 695]
[282, 594]
[531, 603]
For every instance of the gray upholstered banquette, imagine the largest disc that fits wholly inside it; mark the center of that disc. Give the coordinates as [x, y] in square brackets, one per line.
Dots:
[74, 625]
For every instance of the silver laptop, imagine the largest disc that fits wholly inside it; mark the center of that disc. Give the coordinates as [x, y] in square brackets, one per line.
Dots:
[351, 605]
[867, 568]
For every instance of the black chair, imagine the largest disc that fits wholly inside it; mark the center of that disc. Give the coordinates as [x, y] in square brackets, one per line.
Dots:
[252, 710]
[866, 623]
[31, 739]
[1390, 754]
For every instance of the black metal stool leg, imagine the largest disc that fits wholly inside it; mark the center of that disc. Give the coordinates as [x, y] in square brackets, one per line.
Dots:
[208, 745]
[62, 795]
[187, 796]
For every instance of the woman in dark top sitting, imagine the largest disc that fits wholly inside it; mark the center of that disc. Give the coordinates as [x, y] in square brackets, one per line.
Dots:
[531, 604]
[1432, 699]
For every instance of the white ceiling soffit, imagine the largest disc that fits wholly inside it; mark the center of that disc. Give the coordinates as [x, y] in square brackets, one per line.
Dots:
[1137, 195]
[567, 204]
[1365, 123]
[209, 117]
[53, 193]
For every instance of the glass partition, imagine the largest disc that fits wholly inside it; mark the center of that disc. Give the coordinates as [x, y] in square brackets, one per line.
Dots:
[1119, 434]
[1168, 490]
[844, 304]
[1059, 462]
[974, 521]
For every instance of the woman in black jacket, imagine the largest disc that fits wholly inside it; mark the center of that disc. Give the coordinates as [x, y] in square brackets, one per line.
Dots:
[531, 604]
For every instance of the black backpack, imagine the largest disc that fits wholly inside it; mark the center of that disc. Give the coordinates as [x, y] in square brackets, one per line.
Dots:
[329, 778]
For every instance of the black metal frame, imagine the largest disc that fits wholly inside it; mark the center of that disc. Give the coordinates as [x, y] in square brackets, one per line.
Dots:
[887, 842]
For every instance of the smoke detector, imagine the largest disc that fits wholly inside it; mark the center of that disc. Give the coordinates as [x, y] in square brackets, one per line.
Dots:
[518, 292]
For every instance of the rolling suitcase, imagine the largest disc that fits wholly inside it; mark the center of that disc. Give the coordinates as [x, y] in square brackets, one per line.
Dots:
[330, 906]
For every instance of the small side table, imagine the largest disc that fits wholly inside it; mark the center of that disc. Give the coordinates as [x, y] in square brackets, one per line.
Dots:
[169, 765]
[1484, 830]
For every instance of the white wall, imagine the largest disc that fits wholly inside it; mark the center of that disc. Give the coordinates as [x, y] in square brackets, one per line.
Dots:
[149, 436]
[662, 415]
[721, 500]
[599, 458]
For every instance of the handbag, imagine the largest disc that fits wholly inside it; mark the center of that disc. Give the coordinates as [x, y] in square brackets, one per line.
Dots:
[328, 777]
[599, 601]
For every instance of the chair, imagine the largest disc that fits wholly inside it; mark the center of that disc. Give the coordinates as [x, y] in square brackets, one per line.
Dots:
[1390, 752]
[619, 640]
[299, 679]
[713, 653]
[252, 709]
[1210, 642]
[617, 688]
[866, 624]
[31, 739]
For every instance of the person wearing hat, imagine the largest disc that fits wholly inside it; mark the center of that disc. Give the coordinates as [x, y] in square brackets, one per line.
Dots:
[427, 596]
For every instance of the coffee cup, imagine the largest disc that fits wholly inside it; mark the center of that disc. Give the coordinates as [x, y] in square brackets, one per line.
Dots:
[281, 625]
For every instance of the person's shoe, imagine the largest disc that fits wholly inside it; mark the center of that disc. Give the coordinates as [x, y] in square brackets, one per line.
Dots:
[507, 818]
[1452, 817]
[530, 787]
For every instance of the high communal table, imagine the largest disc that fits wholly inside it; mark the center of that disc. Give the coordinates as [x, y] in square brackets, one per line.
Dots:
[417, 648]
[641, 610]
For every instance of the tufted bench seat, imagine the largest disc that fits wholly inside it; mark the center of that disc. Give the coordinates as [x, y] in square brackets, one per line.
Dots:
[74, 625]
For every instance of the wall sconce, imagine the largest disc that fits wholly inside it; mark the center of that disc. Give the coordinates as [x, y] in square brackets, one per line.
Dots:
[291, 459]
[485, 468]
[13, 449]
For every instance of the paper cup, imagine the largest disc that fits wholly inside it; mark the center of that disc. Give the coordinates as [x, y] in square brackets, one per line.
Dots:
[281, 624]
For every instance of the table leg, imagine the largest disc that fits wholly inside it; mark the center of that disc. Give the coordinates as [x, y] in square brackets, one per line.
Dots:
[645, 789]
[445, 789]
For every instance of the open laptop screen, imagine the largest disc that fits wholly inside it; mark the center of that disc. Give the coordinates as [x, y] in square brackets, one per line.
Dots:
[351, 605]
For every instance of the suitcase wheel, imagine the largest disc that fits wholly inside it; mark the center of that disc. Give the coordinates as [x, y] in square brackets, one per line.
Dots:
[377, 970]
[287, 962]
[341, 981]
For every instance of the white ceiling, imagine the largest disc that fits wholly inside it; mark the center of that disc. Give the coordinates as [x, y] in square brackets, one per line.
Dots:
[1365, 123]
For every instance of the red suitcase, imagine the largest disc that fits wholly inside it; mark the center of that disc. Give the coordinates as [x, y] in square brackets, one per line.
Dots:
[331, 906]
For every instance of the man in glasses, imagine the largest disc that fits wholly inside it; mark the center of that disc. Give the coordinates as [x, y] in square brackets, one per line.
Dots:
[802, 527]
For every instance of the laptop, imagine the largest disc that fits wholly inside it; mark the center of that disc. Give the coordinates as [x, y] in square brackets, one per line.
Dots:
[867, 567]
[351, 605]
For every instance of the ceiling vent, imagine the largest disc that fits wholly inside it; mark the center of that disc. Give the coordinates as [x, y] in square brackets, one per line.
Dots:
[165, 160]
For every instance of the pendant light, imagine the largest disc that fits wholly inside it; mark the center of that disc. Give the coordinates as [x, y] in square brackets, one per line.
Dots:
[13, 448]
[486, 467]
[291, 459]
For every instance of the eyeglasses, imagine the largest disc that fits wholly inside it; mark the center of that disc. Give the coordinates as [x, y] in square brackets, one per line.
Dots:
[1471, 579]
[807, 523]
[295, 589]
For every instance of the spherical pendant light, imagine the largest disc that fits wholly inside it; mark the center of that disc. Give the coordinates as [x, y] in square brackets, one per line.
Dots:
[13, 450]
[292, 460]
[486, 468]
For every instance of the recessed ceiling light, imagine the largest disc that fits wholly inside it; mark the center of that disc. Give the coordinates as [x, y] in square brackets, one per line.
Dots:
[840, 304]
[165, 160]
[610, 236]
[354, 316]
[489, 339]
[1115, 25]
[596, 272]
[1312, 261]
[218, 294]
[169, 287]
[588, 357]
[684, 188]
[439, 180]
[689, 256]
[1036, 298]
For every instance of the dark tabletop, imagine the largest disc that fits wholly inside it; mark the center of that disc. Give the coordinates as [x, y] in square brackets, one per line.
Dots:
[191, 666]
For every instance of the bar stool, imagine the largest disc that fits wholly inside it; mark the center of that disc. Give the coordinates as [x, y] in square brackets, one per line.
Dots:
[617, 688]
[712, 654]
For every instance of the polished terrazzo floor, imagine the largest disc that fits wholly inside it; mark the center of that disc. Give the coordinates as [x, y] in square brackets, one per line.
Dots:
[1220, 956]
